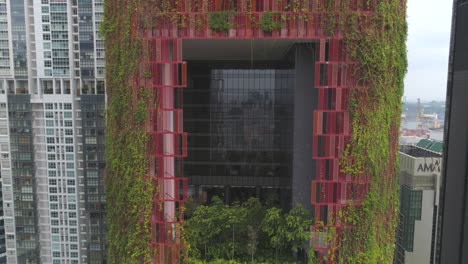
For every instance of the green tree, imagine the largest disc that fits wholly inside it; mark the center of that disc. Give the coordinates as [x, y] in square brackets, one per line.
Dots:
[252, 241]
[298, 222]
[204, 225]
[247, 232]
[274, 226]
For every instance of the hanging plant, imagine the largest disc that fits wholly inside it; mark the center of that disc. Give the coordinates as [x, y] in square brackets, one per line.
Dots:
[220, 21]
[268, 22]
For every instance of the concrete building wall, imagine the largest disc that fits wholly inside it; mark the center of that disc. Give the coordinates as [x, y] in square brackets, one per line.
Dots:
[305, 101]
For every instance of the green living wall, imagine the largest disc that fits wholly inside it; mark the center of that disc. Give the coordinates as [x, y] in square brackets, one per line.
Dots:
[376, 41]
[378, 44]
[128, 190]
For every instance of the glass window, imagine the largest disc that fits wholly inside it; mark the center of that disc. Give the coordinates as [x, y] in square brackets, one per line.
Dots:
[71, 199]
[27, 197]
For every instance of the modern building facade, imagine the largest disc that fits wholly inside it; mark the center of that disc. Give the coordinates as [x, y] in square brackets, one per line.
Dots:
[51, 131]
[241, 122]
[454, 236]
[419, 203]
[275, 103]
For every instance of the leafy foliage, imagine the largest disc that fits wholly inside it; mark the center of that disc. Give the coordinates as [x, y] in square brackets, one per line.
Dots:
[375, 106]
[128, 192]
[247, 232]
[220, 21]
[268, 22]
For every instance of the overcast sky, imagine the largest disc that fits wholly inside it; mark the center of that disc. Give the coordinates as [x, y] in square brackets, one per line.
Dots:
[429, 24]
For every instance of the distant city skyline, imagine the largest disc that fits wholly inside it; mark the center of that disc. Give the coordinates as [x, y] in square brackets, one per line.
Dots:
[429, 24]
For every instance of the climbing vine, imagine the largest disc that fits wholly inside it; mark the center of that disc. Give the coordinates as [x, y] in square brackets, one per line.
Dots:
[380, 52]
[128, 192]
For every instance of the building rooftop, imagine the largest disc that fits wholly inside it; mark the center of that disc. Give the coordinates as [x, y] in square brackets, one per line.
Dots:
[419, 152]
[432, 145]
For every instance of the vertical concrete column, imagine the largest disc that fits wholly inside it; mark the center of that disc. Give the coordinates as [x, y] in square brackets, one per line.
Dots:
[305, 101]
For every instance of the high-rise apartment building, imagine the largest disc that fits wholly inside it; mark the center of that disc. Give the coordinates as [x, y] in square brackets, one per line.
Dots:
[52, 131]
[420, 167]
[454, 232]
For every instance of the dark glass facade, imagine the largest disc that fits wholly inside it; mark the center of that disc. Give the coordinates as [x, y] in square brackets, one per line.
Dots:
[410, 211]
[85, 10]
[18, 32]
[453, 243]
[92, 110]
[21, 146]
[240, 121]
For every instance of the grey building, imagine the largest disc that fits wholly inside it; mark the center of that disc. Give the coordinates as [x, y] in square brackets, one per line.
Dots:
[52, 132]
[420, 170]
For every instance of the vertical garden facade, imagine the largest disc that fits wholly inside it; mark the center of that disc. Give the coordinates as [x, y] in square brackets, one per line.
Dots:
[359, 62]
